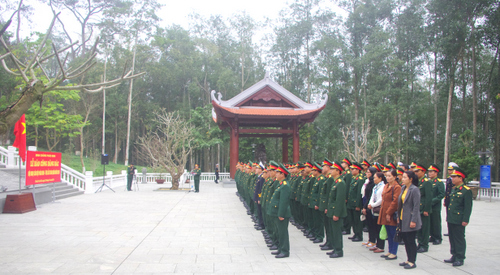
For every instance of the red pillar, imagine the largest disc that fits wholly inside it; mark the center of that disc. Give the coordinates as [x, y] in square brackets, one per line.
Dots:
[233, 150]
[296, 154]
[285, 148]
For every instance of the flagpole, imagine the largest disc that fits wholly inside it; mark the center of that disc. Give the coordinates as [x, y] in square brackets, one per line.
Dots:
[20, 174]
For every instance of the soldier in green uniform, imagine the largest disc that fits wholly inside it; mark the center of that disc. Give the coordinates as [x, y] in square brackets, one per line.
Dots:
[279, 210]
[304, 199]
[336, 210]
[130, 176]
[303, 177]
[425, 187]
[355, 202]
[318, 220]
[347, 177]
[196, 173]
[459, 212]
[438, 193]
[323, 204]
[271, 227]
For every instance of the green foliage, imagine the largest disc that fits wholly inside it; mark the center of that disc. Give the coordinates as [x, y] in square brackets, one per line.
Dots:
[466, 158]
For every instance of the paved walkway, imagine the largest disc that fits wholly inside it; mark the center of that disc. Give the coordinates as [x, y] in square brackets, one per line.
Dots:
[162, 232]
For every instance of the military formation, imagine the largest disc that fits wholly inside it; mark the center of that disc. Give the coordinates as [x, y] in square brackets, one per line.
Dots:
[325, 201]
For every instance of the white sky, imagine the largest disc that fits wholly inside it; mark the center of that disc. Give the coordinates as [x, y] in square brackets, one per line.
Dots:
[173, 12]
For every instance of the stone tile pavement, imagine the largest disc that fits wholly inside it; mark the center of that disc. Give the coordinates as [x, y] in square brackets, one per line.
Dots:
[163, 232]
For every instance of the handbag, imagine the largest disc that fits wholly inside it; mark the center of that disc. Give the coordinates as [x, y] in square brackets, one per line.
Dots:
[398, 237]
[376, 210]
[383, 233]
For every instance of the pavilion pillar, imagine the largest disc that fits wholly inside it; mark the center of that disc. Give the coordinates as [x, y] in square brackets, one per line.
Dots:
[234, 144]
[295, 136]
[285, 148]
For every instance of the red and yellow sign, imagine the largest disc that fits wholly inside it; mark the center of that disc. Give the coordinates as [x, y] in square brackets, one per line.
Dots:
[43, 167]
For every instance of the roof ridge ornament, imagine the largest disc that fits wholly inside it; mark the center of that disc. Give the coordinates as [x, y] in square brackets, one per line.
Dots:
[218, 100]
[267, 75]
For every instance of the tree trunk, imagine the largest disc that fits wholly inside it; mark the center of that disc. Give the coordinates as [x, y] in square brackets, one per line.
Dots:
[127, 147]
[474, 89]
[448, 119]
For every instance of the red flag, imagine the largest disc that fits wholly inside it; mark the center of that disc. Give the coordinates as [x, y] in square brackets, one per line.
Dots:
[20, 133]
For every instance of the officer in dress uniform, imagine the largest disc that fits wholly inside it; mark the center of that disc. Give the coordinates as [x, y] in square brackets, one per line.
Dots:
[258, 194]
[130, 176]
[437, 196]
[425, 187]
[304, 199]
[449, 186]
[459, 212]
[318, 220]
[336, 210]
[323, 202]
[355, 202]
[347, 177]
[279, 210]
[196, 173]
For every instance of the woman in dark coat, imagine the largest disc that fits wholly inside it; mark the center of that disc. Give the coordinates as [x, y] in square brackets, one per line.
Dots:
[409, 216]
[367, 191]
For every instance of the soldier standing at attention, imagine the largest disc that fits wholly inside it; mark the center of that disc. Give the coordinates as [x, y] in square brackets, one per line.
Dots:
[279, 210]
[425, 187]
[437, 196]
[355, 202]
[336, 210]
[217, 173]
[196, 173]
[318, 220]
[459, 212]
[347, 177]
[449, 186]
[130, 176]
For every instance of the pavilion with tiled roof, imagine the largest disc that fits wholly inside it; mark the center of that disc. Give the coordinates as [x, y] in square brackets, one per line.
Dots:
[264, 110]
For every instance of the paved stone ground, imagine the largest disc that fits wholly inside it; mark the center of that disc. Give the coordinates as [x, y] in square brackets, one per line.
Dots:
[162, 232]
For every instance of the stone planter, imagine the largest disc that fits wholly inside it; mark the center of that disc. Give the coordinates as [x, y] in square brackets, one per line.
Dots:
[160, 181]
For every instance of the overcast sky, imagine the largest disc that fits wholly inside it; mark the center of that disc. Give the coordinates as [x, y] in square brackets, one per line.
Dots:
[173, 12]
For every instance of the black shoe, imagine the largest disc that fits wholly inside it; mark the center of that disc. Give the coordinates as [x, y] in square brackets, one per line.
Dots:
[458, 263]
[259, 228]
[322, 245]
[275, 252]
[351, 238]
[345, 233]
[326, 248]
[436, 242]
[311, 235]
[421, 250]
[317, 241]
[408, 266]
[300, 227]
[446, 234]
[450, 260]
[403, 264]
[270, 244]
[336, 255]
[281, 255]
[357, 239]
[330, 253]
[274, 247]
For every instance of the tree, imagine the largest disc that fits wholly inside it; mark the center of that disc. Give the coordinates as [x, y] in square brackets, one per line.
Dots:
[168, 145]
[32, 74]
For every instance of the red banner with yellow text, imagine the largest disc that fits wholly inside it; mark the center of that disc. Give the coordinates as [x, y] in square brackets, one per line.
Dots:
[43, 167]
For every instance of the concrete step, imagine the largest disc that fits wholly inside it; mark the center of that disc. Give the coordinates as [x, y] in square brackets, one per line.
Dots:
[62, 190]
[72, 194]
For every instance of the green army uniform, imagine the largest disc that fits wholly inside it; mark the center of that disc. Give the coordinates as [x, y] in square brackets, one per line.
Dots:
[197, 174]
[280, 207]
[355, 200]
[323, 204]
[273, 230]
[459, 212]
[425, 187]
[318, 220]
[304, 200]
[347, 176]
[337, 207]
[293, 187]
[298, 197]
[438, 192]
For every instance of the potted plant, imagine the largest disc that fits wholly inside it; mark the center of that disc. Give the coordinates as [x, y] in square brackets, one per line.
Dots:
[161, 179]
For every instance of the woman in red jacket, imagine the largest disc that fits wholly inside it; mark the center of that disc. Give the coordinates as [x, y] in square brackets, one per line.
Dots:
[389, 206]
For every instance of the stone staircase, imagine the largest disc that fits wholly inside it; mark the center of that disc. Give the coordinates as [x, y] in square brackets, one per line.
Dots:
[62, 190]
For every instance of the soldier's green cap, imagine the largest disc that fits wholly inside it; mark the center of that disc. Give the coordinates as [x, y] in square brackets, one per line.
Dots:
[434, 167]
[356, 165]
[459, 172]
[419, 166]
[283, 170]
[317, 167]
